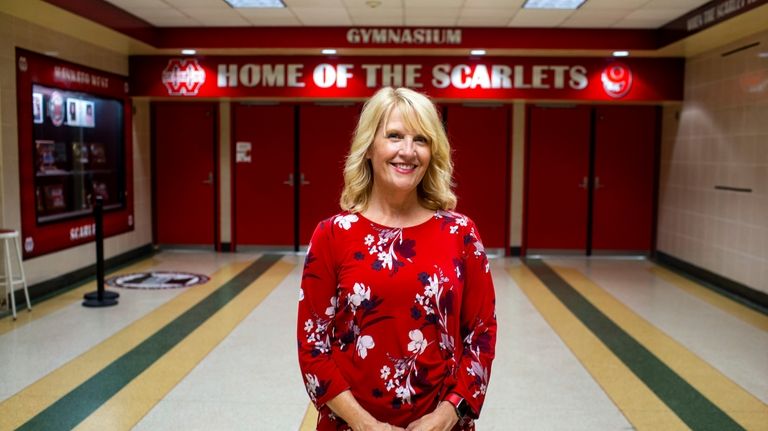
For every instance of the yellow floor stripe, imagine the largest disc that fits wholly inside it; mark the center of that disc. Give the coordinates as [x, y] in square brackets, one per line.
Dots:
[743, 407]
[58, 302]
[310, 419]
[642, 408]
[748, 315]
[36, 397]
[135, 400]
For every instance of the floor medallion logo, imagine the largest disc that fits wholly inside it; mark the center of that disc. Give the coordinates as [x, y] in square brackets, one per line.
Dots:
[617, 80]
[183, 77]
[156, 280]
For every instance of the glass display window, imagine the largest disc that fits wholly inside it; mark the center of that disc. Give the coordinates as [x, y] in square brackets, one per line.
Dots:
[78, 152]
[74, 127]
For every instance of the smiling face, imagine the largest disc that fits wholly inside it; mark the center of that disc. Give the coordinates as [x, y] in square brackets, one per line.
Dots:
[399, 156]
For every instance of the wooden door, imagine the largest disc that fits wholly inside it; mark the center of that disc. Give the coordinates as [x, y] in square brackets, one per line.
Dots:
[325, 134]
[184, 137]
[625, 140]
[263, 160]
[479, 136]
[557, 179]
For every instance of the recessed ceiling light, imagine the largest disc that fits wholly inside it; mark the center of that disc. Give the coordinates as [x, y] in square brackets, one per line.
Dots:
[552, 4]
[477, 52]
[256, 3]
[328, 51]
[188, 51]
[621, 53]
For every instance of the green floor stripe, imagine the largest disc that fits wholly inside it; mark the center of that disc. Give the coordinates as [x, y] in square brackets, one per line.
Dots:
[689, 404]
[77, 405]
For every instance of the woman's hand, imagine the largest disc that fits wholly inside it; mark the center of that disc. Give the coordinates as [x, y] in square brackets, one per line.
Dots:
[381, 426]
[443, 418]
[346, 406]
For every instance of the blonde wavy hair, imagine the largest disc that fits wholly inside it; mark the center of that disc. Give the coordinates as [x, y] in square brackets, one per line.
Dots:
[420, 115]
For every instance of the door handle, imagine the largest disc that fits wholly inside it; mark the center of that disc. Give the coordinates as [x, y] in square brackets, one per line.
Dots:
[597, 183]
[209, 181]
[584, 183]
[303, 181]
[289, 181]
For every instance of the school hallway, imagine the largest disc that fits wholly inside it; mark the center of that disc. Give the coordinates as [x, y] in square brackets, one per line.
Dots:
[601, 343]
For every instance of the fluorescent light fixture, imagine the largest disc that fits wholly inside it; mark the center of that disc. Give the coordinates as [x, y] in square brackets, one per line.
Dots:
[188, 51]
[256, 3]
[477, 52]
[552, 4]
[328, 51]
[621, 53]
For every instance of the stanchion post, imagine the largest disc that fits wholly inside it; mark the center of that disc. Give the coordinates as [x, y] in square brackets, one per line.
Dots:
[100, 298]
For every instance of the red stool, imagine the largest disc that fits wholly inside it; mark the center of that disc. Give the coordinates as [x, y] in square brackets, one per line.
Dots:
[11, 279]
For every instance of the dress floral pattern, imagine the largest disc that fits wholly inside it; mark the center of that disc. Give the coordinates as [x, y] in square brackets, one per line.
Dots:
[399, 316]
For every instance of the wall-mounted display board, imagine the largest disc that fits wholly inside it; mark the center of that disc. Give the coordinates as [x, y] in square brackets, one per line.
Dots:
[74, 145]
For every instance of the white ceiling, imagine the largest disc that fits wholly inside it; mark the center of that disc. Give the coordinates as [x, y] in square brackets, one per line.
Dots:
[641, 14]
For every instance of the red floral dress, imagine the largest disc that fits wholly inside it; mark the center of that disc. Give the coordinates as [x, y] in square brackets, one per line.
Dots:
[399, 316]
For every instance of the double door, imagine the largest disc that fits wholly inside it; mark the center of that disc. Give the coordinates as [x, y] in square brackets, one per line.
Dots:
[286, 165]
[590, 179]
[293, 178]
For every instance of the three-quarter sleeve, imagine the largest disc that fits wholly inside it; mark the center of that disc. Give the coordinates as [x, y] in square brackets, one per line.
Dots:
[315, 324]
[477, 323]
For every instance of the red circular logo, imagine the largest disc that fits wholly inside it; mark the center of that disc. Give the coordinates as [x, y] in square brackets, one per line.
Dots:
[56, 108]
[617, 79]
[183, 77]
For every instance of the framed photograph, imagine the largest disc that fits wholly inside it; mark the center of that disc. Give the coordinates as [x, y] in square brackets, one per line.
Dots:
[37, 108]
[89, 119]
[54, 197]
[80, 153]
[98, 154]
[73, 108]
[100, 189]
[45, 155]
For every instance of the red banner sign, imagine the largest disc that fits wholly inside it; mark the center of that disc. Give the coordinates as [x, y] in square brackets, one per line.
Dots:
[499, 78]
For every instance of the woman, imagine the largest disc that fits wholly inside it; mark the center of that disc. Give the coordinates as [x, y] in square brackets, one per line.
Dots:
[396, 322]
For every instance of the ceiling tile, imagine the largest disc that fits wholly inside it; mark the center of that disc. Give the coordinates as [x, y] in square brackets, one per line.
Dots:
[314, 3]
[311, 16]
[596, 18]
[257, 13]
[489, 13]
[208, 4]
[483, 22]
[427, 12]
[378, 21]
[430, 22]
[144, 4]
[663, 14]
[382, 4]
[181, 21]
[689, 5]
[539, 18]
[290, 21]
[167, 12]
[640, 23]
[436, 4]
[374, 13]
[612, 4]
[512, 4]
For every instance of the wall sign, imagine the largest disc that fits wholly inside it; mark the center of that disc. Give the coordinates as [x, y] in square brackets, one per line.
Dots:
[74, 144]
[705, 16]
[534, 78]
